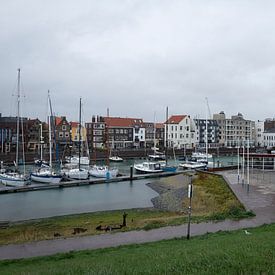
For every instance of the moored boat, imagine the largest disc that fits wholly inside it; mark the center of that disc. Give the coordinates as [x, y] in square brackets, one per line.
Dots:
[103, 172]
[148, 167]
[193, 165]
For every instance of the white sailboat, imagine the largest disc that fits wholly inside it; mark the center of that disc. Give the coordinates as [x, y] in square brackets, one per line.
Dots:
[103, 172]
[153, 165]
[156, 156]
[114, 158]
[16, 178]
[46, 174]
[166, 167]
[41, 162]
[78, 173]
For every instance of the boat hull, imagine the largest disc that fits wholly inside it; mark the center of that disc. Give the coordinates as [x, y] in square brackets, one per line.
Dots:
[45, 178]
[77, 174]
[147, 168]
[103, 172]
[12, 180]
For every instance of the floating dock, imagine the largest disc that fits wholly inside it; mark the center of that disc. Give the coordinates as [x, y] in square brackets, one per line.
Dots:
[73, 183]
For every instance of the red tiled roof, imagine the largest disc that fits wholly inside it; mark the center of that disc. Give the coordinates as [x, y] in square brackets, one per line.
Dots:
[175, 119]
[122, 122]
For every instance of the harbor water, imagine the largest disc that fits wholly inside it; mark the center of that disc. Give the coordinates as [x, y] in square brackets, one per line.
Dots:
[64, 201]
[89, 198]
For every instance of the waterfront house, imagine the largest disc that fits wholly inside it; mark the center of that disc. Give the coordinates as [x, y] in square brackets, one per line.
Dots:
[62, 131]
[181, 132]
[125, 132]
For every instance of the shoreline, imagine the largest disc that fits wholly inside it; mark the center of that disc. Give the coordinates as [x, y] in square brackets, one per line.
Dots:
[171, 192]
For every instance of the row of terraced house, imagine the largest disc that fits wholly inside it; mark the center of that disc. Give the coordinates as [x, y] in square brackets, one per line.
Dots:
[180, 131]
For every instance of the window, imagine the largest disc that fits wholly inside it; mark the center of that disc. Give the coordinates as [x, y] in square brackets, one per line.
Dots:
[64, 128]
[180, 128]
[60, 134]
[67, 135]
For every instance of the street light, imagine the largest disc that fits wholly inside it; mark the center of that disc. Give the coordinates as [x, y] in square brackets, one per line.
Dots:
[190, 194]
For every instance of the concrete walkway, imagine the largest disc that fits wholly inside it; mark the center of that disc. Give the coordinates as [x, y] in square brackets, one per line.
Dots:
[258, 199]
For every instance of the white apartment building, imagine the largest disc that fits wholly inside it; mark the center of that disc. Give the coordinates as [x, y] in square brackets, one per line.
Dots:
[236, 130]
[259, 133]
[181, 132]
[269, 138]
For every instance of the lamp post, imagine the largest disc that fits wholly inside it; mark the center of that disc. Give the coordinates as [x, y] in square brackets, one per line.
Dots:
[190, 194]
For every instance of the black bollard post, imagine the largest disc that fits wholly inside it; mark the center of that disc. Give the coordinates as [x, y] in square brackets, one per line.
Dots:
[124, 219]
[131, 172]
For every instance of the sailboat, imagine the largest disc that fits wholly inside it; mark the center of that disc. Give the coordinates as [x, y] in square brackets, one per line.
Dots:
[166, 167]
[46, 174]
[104, 171]
[16, 178]
[78, 173]
[114, 158]
[156, 156]
[153, 165]
[41, 162]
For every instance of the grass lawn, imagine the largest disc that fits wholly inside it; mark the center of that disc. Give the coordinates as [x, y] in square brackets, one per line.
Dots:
[213, 200]
[220, 253]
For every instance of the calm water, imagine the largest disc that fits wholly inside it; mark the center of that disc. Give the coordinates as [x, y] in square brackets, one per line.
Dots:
[111, 196]
[100, 197]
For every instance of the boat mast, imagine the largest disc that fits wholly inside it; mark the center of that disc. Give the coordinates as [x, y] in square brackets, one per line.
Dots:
[154, 133]
[166, 136]
[206, 134]
[52, 120]
[41, 141]
[17, 126]
[50, 134]
[79, 129]
[107, 142]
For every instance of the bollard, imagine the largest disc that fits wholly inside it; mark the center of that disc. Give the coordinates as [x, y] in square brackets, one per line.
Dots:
[131, 172]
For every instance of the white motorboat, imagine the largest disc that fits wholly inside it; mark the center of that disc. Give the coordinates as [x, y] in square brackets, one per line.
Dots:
[103, 172]
[193, 165]
[156, 157]
[148, 167]
[116, 159]
[201, 157]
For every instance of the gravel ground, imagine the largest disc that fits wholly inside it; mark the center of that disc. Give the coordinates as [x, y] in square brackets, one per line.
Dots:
[171, 191]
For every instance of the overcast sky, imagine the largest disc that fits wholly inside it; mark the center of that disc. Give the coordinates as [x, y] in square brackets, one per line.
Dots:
[137, 57]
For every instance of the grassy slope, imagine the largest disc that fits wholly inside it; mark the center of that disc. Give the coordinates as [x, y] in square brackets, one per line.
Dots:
[220, 253]
[213, 200]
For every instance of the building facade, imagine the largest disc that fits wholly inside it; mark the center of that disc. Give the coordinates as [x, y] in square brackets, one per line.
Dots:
[213, 132]
[181, 132]
[236, 130]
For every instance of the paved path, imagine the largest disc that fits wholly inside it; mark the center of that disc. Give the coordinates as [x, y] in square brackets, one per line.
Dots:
[257, 200]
